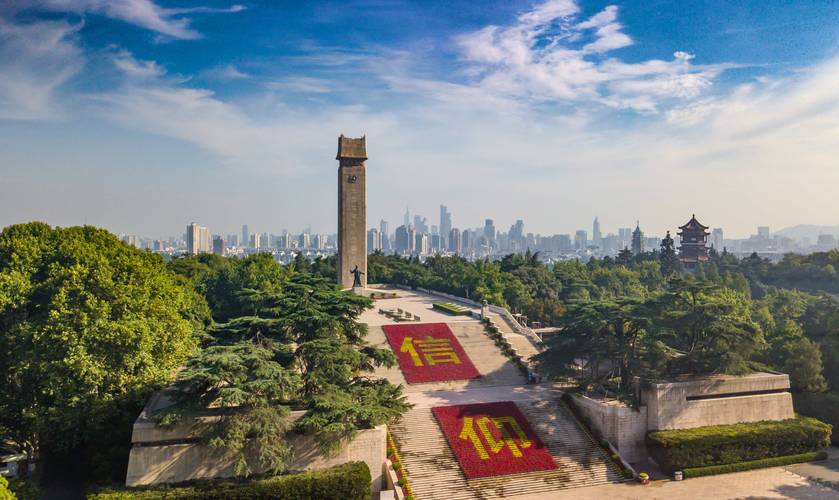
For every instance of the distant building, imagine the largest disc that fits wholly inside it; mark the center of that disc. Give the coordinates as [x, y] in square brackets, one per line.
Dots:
[218, 245]
[693, 238]
[596, 236]
[246, 235]
[255, 241]
[421, 245]
[385, 232]
[445, 224]
[580, 239]
[489, 232]
[637, 240]
[197, 239]
[402, 242]
[304, 240]
[455, 241]
[763, 232]
[374, 240]
[717, 238]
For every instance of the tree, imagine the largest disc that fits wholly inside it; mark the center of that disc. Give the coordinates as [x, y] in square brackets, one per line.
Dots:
[605, 336]
[712, 325]
[89, 325]
[793, 353]
[667, 257]
[300, 342]
[249, 393]
[624, 257]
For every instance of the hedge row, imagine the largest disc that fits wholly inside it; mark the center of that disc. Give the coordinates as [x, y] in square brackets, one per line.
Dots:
[350, 481]
[822, 406]
[754, 464]
[728, 444]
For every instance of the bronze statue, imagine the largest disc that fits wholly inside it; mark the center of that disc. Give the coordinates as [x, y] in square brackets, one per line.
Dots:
[356, 282]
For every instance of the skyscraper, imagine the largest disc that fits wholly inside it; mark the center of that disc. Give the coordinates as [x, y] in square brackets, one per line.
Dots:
[246, 235]
[489, 232]
[374, 240]
[218, 245]
[596, 237]
[197, 239]
[455, 241]
[580, 239]
[445, 224]
[402, 243]
[385, 234]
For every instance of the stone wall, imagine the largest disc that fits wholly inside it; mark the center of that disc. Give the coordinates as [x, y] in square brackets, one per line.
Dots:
[721, 400]
[619, 424]
[171, 455]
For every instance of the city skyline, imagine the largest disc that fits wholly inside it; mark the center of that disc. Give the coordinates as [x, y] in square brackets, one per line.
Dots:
[142, 115]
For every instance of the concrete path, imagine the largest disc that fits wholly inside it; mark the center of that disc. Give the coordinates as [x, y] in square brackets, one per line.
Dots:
[751, 485]
[413, 302]
[825, 472]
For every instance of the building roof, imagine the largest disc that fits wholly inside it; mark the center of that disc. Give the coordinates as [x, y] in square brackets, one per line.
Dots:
[693, 224]
[352, 148]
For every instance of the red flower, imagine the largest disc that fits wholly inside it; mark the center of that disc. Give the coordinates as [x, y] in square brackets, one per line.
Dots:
[491, 439]
[429, 353]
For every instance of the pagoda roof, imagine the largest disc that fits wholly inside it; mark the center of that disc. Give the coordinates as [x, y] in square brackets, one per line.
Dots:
[693, 224]
[352, 148]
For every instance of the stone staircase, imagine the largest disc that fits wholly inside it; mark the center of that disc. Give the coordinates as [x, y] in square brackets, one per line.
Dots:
[495, 368]
[520, 342]
[435, 473]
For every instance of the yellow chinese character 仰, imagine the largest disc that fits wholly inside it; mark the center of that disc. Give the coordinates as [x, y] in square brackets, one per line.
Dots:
[434, 351]
[495, 445]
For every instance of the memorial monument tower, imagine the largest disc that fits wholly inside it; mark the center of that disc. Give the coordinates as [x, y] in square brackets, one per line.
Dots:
[352, 211]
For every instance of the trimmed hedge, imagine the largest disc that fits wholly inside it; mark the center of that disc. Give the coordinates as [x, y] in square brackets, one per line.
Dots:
[350, 481]
[754, 464]
[822, 405]
[452, 309]
[728, 444]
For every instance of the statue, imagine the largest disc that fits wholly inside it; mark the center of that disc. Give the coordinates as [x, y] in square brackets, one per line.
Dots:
[356, 282]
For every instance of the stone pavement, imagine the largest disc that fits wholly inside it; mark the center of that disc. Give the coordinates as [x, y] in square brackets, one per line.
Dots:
[825, 472]
[751, 485]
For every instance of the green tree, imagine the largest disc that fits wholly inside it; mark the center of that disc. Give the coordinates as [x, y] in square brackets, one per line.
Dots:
[89, 325]
[712, 325]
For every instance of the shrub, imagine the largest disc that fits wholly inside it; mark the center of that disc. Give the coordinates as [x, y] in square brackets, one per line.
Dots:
[821, 406]
[350, 481]
[728, 444]
[450, 308]
[754, 464]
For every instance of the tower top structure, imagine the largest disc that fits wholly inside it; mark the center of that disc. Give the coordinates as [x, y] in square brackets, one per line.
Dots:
[352, 149]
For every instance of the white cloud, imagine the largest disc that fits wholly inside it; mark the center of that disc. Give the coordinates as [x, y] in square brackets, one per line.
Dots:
[35, 60]
[143, 13]
[135, 68]
[537, 59]
[225, 73]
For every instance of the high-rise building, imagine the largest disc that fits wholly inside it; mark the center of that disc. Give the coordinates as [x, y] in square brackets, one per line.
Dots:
[304, 241]
[246, 235]
[402, 242]
[218, 245]
[255, 241]
[352, 210]
[580, 239]
[197, 239]
[420, 224]
[455, 241]
[374, 240]
[489, 232]
[596, 237]
[763, 232]
[319, 241]
[637, 240]
[385, 232]
[445, 223]
[717, 238]
[421, 244]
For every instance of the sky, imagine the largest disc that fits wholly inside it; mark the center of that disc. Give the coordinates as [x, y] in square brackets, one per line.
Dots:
[141, 116]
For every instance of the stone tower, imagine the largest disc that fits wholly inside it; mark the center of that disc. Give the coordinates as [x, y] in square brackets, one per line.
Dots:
[352, 209]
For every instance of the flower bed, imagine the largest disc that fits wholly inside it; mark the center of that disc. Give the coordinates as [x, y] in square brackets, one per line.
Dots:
[452, 309]
[491, 439]
[399, 468]
[429, 352]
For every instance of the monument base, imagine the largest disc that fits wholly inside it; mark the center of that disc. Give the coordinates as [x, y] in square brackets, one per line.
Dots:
[359, 290]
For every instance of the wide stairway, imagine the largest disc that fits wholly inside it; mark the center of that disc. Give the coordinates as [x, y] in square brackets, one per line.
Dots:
[435, 473]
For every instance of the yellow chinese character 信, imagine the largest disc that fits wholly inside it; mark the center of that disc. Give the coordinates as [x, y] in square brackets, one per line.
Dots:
[435, 351]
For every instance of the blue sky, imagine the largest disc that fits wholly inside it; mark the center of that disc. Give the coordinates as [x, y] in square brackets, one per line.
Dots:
[141, 116]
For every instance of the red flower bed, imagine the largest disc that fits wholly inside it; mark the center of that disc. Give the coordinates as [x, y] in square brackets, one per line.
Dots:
[491, 439]
[429, 353]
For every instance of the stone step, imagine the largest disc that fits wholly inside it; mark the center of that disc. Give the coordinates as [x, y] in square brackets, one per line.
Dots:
[435, 473]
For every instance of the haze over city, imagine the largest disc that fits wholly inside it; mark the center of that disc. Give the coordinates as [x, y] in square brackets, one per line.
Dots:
[142, 116]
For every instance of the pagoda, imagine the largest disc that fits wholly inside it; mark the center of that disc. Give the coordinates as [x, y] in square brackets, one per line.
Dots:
[693, 238]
